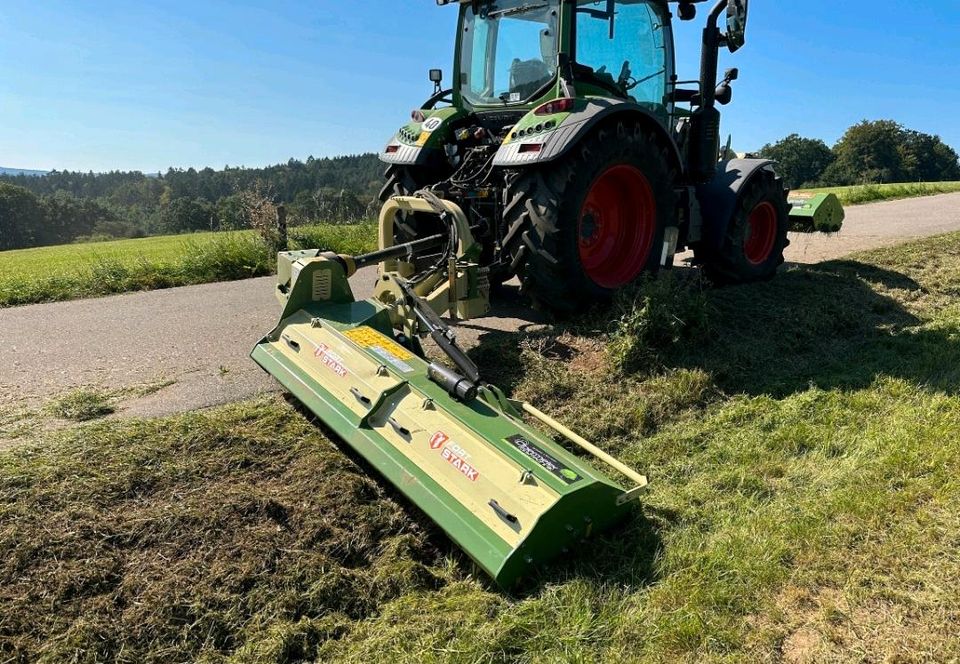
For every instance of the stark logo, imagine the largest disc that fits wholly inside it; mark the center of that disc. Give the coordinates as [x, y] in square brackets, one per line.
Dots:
[438, 440]
[330, 359]
[460, 464]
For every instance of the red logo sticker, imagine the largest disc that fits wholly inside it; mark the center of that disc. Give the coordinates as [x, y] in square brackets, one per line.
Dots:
[438, 440]
[458, 462]
[330, 360]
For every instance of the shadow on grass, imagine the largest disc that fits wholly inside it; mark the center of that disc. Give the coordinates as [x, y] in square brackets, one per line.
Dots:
[825, 326]
[819, 325]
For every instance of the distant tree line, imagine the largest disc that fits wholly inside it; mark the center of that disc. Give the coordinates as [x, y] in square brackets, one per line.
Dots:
[868, 153]
[63, 206]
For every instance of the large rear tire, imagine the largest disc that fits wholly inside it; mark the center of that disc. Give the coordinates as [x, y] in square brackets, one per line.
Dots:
[592, 222]
[752, 249]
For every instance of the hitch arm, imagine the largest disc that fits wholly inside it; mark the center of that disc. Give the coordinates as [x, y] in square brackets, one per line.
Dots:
[441, 333]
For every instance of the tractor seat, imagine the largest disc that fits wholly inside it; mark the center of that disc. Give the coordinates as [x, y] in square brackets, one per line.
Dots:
[528, 76]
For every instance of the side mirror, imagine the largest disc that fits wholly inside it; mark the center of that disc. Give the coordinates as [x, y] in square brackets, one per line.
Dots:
[687, 11]
[736, 24]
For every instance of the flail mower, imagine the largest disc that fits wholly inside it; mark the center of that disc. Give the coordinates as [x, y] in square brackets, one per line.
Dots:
[562, 155]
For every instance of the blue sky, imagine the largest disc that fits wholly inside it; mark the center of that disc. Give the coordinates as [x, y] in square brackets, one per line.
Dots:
[103, 84]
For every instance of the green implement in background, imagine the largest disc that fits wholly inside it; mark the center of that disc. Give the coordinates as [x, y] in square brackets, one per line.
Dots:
[815, 213]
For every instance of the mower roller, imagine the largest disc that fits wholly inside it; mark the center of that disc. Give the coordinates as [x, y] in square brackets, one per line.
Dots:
[567, 154]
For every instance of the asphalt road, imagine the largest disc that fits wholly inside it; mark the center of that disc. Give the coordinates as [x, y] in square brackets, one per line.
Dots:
[198, 337]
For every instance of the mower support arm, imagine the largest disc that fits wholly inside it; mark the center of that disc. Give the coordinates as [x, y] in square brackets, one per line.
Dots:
[441, 333]
[581, 442]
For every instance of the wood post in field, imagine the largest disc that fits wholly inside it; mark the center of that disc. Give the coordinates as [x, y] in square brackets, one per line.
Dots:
[282, 227]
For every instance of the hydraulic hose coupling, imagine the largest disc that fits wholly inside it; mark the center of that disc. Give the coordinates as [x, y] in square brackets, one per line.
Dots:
[456, 385]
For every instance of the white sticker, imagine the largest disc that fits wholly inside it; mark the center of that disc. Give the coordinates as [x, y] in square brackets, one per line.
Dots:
[514, 96]
[432, 124]
[322, 285]
[397, 363]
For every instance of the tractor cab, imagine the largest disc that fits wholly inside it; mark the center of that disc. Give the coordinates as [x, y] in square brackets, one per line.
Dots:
[518, 53]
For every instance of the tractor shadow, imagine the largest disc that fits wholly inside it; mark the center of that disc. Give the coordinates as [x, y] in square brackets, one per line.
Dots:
[833, 325]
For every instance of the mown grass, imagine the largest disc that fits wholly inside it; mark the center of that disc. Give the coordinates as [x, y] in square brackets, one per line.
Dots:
[802, 437]
[101, 268]
[81, 405]
[871, 193]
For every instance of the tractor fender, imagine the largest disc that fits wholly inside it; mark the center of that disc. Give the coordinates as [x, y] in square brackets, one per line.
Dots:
[420, 142]
[718, 197]
[556, 143]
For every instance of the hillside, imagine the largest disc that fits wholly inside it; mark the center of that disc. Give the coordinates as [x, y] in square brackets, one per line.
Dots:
[21, 171]
[62, 207]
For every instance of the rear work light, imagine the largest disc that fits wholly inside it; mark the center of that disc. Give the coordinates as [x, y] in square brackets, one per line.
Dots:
[563, 105]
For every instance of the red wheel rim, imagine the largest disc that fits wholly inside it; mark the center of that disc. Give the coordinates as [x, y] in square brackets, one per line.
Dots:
[762, 234]
[616, 226]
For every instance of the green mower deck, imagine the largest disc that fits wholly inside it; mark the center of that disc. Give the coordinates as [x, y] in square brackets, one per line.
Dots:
[509, 496]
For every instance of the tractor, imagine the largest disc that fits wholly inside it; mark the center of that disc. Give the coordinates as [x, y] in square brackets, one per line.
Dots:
[565, 140]
[562, 156]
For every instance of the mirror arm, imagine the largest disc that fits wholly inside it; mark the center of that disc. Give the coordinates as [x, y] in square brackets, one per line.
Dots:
[710, 56]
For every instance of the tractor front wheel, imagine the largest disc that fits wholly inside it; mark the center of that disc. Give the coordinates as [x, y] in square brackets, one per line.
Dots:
[752, 249]
[580, 228]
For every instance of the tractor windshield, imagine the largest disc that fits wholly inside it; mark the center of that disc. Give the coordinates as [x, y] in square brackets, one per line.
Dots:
[509, 50]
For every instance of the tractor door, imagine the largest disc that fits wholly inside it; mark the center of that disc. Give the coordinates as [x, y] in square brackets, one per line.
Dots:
[624, 49]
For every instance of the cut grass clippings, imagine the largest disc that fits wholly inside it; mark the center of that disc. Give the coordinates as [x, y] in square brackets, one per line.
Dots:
[81, 405]
[801, 437]
[74, 271]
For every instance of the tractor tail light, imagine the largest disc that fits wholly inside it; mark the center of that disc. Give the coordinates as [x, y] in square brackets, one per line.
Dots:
[562, 105]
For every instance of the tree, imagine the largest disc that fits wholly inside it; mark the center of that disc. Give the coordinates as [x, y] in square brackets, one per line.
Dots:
[868, 153]
[187, 214]
[20, 217]
[67, 217]
[801, 161]
[231, 213]
[927, 158]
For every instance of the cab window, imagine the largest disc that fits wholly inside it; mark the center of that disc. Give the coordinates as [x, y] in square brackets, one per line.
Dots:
[621, 48]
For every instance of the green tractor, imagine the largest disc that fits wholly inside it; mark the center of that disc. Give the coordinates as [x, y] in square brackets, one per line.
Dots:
[560, 155]
[565, 140]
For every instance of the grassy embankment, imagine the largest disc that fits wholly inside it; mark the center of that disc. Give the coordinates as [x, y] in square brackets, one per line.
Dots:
[872, 193]
[87, 270]
[802, 437]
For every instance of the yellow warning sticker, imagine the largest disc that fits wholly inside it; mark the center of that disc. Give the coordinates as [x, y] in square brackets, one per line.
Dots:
[367, 337]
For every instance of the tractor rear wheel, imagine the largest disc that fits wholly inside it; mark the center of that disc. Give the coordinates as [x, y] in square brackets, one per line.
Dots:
[753, 246]
[592, 222]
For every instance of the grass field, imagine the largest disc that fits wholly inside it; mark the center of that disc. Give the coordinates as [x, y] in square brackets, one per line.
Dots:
[100, 268]
[802, 438]
[871, 193]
